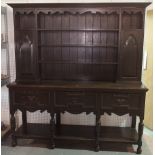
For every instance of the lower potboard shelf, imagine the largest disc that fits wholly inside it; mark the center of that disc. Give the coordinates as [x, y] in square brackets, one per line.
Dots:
[79, 133]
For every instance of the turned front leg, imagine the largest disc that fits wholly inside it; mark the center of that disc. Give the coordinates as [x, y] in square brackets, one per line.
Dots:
[13, 127]
[133, 124]
[140, 133]
[24, 120]
[58, 122]
[98, 125]
[52, 126]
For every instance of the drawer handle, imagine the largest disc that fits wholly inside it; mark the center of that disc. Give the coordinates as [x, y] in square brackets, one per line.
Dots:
[119, 107]
[121, 103]
[121, 100]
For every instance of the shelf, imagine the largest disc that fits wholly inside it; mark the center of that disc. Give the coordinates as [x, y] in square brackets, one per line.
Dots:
[118, 134]
[108, 134]
[80, 133]
[130, 29]
[40, 131]
[78, 30]
[40, 29]
[77, 45]
[78, 62]
[89, 30]
[25, 29]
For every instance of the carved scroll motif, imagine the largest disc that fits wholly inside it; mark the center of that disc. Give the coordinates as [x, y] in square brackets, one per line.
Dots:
[24, 12]
[133, 12]
[67, 10]
[77, 11]
[31, 102]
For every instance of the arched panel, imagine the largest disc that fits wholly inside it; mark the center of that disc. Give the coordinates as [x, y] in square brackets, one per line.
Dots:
[131, 55]
[25, 54]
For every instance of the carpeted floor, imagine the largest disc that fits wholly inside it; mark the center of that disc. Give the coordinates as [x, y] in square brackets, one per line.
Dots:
[6, 149]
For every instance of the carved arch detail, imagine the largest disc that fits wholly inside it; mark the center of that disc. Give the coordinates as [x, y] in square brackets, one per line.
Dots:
[24, 12]
[128, 11]
[131, 40]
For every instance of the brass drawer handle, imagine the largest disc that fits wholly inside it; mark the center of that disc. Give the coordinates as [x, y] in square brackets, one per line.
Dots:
[121, 106]
[121, 100]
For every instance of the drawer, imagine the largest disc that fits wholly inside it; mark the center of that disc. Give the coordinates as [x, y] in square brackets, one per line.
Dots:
[75, 100]
[30, 99]
[120, 101]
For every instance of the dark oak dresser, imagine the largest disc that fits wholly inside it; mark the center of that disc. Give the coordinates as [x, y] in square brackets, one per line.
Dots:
[78, 58]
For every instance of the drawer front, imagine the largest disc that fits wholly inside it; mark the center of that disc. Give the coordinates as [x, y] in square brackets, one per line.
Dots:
[121, 101]
[32, 100]
[80, 101]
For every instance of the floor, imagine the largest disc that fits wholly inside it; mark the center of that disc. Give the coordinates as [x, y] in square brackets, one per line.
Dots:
[27, 150]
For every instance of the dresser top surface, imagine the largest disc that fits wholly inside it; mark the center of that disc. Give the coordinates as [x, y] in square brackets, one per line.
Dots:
[92, 85]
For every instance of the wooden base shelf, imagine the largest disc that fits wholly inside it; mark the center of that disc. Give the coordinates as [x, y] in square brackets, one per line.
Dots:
[81, 133]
